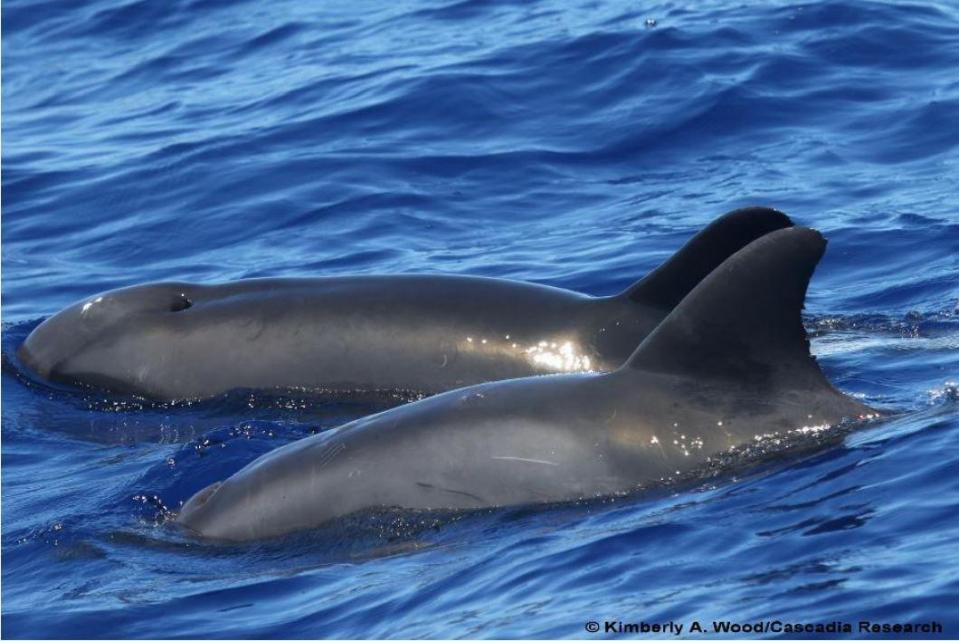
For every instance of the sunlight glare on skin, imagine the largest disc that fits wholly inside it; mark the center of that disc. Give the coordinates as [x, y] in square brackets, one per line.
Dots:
[561, 358]
[87, 305]
[558, 356]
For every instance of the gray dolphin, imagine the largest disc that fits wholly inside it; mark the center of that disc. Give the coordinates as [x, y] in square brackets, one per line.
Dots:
[730, 362]
[417, 333]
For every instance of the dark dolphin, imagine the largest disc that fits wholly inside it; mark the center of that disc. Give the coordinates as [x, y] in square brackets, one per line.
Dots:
[416, 333]
[729, 363]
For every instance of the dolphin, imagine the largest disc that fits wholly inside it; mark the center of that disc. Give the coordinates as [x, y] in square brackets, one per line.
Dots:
[415, 333]
[729, 363]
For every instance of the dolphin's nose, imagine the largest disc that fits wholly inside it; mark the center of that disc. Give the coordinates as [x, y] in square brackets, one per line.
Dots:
[192, 513]
[33, 361]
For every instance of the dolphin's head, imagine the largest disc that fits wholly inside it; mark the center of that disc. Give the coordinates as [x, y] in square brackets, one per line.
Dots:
[198, 513]
[97, 340]
[232, 510]
[275, 494]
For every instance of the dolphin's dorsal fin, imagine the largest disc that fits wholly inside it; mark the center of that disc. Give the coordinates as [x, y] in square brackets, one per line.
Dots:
[669, 283]
[743, 322]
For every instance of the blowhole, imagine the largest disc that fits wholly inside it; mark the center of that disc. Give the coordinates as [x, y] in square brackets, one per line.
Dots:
[181, 303]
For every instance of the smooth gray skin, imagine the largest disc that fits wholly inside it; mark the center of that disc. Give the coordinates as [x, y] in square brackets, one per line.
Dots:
[730, 362]
[416, 333]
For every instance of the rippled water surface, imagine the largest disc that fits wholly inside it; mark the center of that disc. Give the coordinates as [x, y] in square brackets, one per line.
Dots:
[572, 144]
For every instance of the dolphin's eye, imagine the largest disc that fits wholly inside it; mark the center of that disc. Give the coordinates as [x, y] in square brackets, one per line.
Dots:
[180, 303]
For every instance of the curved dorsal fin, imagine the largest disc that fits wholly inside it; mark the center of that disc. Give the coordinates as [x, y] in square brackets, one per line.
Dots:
[669, 283]
[743, 322]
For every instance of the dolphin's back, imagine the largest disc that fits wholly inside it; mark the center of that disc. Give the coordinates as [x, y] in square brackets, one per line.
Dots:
[417, 333]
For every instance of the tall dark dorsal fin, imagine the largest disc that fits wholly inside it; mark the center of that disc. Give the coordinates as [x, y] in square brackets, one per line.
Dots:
[743, 322]
[669, 283]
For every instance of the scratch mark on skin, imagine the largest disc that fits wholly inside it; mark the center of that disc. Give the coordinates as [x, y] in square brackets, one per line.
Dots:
[327, 455]
[524, 460]
[444, 489]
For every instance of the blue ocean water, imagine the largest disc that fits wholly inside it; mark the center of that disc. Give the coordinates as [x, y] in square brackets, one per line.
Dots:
[574, 144]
